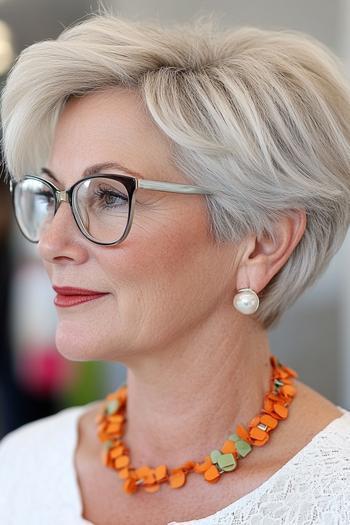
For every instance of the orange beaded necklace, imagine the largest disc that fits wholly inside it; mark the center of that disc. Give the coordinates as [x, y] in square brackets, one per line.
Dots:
[110, 428]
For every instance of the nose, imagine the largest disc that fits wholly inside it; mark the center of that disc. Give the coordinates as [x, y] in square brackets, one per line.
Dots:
[61, 240]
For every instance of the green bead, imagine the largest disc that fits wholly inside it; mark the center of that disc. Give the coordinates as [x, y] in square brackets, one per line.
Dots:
[227, 462]
[215, 455]
[234, 437]
[243, 448]
[230, 467]
[107, 444]
[112, 407]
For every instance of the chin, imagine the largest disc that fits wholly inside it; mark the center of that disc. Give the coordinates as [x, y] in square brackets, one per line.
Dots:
[75, 343]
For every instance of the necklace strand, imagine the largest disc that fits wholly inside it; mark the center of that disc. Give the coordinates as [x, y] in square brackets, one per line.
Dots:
[111, 421]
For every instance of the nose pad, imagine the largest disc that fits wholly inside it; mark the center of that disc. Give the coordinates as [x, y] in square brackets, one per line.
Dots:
[62, 197]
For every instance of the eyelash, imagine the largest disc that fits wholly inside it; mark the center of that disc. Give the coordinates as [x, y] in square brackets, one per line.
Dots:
[103, 192]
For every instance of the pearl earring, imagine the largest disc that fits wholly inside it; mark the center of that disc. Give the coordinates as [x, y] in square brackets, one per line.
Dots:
[246, 301]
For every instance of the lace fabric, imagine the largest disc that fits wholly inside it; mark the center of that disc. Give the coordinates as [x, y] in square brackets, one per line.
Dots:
[38, 482]
[313, 487]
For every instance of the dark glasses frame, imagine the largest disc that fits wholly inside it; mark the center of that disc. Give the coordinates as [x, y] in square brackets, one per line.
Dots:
[130, 183]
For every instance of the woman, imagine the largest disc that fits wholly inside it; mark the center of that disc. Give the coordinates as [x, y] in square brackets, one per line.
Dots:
[184, 185]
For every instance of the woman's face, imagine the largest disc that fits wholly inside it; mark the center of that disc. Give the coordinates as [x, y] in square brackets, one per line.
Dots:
[167, 277]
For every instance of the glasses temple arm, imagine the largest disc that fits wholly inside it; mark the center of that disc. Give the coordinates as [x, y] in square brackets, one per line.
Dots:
[172, 187]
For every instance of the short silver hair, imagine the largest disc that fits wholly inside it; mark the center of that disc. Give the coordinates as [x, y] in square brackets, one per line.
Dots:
[262, 115]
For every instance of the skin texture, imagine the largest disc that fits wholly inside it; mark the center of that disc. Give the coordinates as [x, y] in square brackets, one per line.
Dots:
[195, 366]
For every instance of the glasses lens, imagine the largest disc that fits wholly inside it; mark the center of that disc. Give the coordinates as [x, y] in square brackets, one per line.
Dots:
[34, 204]
[103, 208]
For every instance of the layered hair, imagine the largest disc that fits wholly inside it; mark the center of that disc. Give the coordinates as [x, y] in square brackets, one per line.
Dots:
[263, 115]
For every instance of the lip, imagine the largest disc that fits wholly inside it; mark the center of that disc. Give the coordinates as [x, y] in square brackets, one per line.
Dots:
[70, 290]
[70, 296]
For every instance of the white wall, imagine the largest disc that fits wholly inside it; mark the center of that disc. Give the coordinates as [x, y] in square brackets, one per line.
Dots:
[319, 17]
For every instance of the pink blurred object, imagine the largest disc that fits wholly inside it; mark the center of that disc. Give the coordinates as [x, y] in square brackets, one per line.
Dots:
[43, 371]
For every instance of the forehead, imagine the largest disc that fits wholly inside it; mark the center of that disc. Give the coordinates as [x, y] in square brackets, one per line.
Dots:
[109, 126]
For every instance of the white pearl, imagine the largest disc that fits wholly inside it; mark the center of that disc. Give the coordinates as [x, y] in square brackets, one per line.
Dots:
[246, 301]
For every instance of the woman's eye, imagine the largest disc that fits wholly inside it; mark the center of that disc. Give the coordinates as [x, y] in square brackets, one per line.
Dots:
[110, 199]
[45, 196]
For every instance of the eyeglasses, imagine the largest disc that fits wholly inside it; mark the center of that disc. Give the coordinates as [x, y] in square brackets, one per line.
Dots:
[102, 205]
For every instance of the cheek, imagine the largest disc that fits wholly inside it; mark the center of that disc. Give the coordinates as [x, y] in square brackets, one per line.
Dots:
[141, 260]
[156, 270]
[164, 241]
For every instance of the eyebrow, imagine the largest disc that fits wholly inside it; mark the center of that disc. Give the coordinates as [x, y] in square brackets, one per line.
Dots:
[98, 168]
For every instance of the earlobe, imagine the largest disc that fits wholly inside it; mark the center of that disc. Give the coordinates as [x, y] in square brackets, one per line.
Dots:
[246, 301]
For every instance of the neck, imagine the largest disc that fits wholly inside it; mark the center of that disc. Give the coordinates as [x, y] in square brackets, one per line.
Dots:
[185, 399]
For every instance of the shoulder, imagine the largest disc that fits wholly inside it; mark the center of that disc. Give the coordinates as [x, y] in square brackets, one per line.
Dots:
[329, 451]
[315, 483]
[37, 463]
[320, 471]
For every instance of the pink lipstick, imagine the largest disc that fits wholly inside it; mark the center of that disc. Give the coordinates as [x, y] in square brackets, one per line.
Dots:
[69, 296]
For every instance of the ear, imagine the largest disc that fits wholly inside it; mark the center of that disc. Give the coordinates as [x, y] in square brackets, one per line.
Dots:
[263, 257]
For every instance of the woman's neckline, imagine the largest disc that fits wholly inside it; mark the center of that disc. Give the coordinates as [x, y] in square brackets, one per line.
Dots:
[78, 410]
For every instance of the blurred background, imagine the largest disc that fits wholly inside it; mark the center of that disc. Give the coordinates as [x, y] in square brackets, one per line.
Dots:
[35, 381]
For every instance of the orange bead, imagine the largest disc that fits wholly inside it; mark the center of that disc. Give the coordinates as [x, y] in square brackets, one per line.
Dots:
[161, 472]
[212, 481]
[228, 447]
[280, 410]
[104, 437]
[116, 418]
[255, 421]
[150, 479]
[124, 473]
[242, 433]
[202, 467]
[257, 433]
[112, 427]
[268, 420]
[143, 471]
[260, 442]
[130, 486]
[288, 390]
[117, 451]
[212, 473]
[177, 480]
[273, 397]
[188, 466]
[176, 470]
[268, 405]
[151, 488]
[121, 462]
[101, 427]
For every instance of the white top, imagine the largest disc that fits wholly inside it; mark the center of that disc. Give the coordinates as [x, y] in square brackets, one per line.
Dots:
[38, 484]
